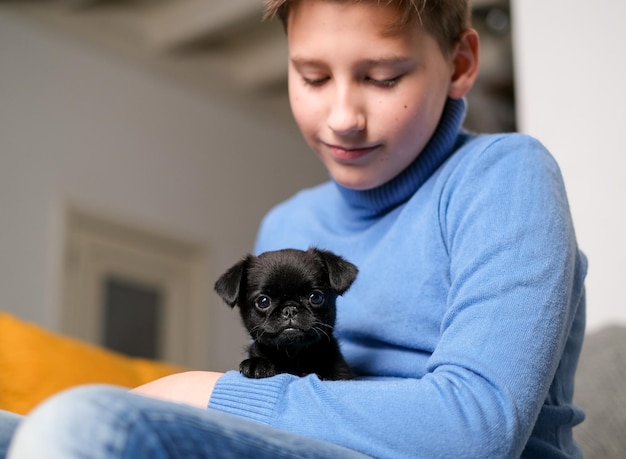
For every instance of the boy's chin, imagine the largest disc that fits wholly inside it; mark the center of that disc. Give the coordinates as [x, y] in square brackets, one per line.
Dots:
[366, 175]
[358, 180]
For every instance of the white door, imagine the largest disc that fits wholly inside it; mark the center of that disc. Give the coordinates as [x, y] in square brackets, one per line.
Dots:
[135, 291]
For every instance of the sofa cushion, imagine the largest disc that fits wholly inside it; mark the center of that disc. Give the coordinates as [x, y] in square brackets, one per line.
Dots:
[601, 391]
[36, 363]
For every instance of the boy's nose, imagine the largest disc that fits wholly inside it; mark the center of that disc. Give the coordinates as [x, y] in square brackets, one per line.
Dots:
[346, 116]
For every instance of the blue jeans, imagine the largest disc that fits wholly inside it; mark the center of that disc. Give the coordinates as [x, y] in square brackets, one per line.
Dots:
[108, 422]
[8, 423]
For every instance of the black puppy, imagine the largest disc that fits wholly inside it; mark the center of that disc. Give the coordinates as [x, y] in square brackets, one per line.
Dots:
[287, 302]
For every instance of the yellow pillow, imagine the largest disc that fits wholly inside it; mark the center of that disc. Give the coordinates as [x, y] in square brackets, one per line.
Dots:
[35, 363]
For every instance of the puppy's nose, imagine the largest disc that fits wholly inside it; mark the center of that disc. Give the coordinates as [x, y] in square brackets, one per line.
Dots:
[290, 312]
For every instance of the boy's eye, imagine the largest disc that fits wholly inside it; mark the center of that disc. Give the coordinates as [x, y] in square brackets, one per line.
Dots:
[314, 81]
[382, 82]
[385, 82]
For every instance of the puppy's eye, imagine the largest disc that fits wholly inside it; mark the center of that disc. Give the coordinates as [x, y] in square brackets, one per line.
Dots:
[316, 298]
[263, 302]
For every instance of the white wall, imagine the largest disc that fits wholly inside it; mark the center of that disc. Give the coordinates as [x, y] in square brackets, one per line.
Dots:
[80, 127]
[570, 72]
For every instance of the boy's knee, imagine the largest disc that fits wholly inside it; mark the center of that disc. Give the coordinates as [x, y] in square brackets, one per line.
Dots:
[83, 417]
[80, 404]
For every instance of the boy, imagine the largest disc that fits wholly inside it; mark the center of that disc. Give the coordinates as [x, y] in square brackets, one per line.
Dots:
[466, 321]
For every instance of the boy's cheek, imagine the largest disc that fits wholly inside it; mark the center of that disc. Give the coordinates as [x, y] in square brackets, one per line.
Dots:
[306, 113]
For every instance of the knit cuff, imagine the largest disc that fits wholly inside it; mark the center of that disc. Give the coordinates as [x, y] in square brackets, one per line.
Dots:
[254, 399]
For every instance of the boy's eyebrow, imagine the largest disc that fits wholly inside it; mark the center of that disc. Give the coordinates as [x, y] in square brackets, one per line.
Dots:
[298, 60]
[383, 61]
[393, 60]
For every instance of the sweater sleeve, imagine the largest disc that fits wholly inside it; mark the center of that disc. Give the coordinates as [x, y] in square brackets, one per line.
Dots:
[516, 283]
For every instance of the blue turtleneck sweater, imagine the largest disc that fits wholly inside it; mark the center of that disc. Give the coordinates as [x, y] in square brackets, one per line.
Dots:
[467, 317]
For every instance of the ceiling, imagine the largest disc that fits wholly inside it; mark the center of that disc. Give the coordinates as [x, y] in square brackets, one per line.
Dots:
[218, 46]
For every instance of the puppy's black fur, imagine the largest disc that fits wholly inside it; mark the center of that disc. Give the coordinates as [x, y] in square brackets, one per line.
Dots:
[287, 302]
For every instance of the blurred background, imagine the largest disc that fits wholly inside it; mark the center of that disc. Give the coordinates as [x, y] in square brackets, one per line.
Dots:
[141, 142]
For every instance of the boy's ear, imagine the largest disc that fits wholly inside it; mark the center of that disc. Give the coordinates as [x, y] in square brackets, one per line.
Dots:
[465, 59]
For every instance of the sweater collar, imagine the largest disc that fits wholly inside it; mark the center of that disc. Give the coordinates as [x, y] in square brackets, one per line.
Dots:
[377, 201]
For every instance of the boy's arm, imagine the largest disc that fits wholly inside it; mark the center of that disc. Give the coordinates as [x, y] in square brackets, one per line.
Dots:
[516, 283]
[191, 387]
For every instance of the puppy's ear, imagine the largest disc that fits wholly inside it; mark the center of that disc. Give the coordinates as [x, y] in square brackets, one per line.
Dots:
[231, 282]
[341, 273]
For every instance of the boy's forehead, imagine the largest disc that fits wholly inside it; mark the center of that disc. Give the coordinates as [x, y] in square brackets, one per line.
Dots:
[395, 5]
[392, 18]
[444, 20]
[352, 33]
[398, 4]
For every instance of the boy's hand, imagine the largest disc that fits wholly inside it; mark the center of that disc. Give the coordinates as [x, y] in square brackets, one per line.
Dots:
[191, 387]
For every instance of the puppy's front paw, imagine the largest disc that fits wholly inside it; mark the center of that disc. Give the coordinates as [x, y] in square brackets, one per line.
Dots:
[257, 368]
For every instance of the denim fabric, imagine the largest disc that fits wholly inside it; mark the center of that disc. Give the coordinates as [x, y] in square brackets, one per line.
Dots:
[8, 424]
[106, 422]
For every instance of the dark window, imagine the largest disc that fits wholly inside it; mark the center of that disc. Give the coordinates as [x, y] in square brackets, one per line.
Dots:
[132, 318]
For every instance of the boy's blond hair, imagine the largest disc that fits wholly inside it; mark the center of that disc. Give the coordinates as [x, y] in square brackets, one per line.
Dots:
[443, 19]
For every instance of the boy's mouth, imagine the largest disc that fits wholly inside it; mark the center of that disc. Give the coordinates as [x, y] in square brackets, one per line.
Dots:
[349, 153]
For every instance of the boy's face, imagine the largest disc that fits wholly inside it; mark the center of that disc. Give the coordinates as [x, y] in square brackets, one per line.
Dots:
[366, 101]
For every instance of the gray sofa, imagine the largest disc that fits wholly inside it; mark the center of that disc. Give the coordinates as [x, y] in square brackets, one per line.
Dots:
[601, 392]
